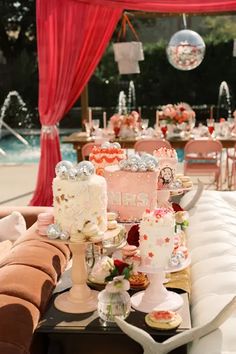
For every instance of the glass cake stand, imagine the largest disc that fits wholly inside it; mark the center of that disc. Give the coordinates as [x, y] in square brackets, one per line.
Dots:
[80, 298]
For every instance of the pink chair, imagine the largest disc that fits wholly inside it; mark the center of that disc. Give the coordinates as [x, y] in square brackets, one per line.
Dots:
[87, 148]
[149, 145]
[203, 157]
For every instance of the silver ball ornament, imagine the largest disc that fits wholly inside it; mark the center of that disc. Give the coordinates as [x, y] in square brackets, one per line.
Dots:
[106, 145]
[116, 145]
[123, 164]
[134, 159]
[85, 169]
[142, 167]
[64, 236]
[62, 169]
[53, 231]
[185, 50]
[134, 168]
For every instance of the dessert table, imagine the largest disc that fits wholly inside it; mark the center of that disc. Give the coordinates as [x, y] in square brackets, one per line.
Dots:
[65, 333]
[79, 141]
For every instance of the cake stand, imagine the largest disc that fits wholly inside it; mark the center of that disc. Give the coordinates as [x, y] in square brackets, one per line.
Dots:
[163, 196]
[80, 298]
[156, 296]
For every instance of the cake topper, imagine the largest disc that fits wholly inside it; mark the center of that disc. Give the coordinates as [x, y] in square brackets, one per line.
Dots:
[136, 163]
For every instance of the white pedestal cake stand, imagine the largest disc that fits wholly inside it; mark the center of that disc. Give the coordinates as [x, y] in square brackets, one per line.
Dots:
[156, 296]
[80, 298]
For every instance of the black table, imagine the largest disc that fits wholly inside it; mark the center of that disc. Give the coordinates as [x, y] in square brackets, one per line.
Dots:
[63, 333]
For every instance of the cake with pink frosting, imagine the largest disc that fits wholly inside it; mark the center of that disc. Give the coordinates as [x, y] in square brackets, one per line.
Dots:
[131, 187]
[156, 242]
[107, 154]
[168, 161]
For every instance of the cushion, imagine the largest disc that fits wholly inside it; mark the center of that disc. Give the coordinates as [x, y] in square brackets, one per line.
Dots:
[5, 247]
[19, 319]
[12, 226]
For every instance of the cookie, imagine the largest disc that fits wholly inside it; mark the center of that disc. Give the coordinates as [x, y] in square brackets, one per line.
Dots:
[163, 320]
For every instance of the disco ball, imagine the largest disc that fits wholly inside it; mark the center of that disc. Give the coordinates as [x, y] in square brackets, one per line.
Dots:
[185, 50]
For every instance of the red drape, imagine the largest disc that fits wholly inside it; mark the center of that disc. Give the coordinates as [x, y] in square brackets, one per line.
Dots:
[172, 6]
[71, 39]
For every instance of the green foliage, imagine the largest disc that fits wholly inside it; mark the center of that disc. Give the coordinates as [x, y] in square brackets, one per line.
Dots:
[159, 83]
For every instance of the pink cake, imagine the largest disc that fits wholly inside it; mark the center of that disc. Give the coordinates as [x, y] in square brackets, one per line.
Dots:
[168, 161]
[107, 155]
[130, 193]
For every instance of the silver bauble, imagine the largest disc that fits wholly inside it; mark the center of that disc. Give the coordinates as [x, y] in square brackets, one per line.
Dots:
[116, 145]
[134, 159]
[53, 231]
[106, 145]
[142, 167]
[185, 50]
[123, 164]
[85, 169]
[64, 235]
[62, 169]
[134, 167]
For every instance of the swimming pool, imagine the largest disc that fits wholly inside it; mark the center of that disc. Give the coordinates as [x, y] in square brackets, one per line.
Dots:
[18, 153]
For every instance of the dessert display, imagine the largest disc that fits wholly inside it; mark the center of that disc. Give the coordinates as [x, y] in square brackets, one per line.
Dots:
[168, 161]
[156, 242]
[163, 320]
[106, 155]
[131, 187]
[80, 202]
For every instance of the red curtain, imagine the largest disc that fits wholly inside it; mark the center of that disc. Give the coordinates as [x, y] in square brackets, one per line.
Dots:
[71, 40]
[172, 6]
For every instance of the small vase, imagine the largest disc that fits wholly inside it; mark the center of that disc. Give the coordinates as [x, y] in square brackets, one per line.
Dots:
[113, 302]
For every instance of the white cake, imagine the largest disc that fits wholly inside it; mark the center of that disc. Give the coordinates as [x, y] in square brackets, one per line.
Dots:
[80, 206]
[156, 242]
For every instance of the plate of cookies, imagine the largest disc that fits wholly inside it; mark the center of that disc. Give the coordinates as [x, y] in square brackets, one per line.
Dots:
[163, 320]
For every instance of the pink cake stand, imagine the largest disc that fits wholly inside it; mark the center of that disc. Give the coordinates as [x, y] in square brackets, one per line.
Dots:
[80, 298]
[156, 296]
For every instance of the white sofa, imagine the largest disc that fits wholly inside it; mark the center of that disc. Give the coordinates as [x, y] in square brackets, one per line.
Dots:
[212, 244]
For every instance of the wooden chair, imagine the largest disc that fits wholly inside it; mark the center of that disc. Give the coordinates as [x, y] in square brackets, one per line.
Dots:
[149, 145]
[203, 157]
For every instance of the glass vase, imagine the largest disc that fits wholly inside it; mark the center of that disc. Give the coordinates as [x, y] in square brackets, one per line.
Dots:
[113, 304]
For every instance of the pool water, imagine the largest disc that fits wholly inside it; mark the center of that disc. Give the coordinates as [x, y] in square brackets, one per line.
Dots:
[18, 153]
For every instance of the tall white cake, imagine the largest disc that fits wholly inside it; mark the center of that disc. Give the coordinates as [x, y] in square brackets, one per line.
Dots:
[156, 242]
[80, 204]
